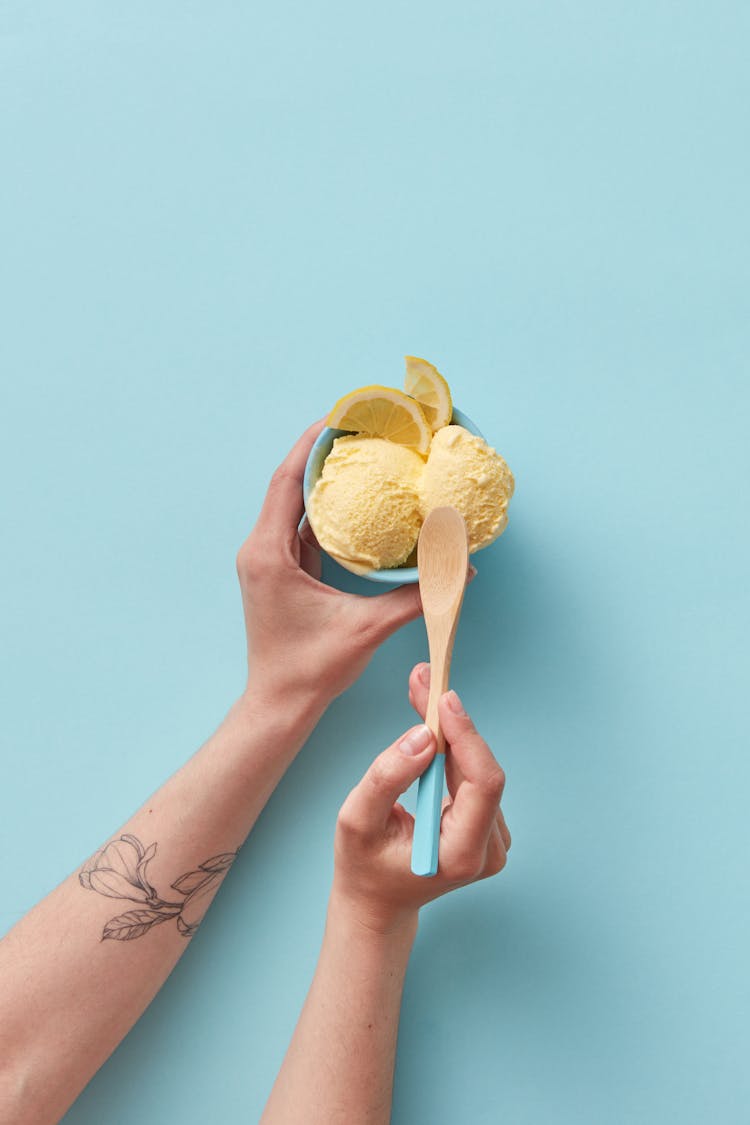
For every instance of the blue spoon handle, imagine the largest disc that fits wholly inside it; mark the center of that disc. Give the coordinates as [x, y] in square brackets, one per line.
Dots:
[424, 849]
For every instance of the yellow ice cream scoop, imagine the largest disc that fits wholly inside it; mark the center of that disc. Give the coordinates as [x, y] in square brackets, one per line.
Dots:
[466, 473]
[365, 506]
[367, 496]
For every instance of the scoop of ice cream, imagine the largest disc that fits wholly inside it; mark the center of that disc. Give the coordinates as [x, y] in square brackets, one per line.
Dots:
[365, 506]
[463, 471]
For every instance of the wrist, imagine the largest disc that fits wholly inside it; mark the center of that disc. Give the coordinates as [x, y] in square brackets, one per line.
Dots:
[364, 922]
[294, 708]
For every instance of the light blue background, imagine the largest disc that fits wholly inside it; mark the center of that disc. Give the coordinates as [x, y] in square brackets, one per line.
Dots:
[215, 219]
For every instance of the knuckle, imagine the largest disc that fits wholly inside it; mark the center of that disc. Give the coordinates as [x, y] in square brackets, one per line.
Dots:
[378, 776]
[346, 824]
[465, 725]
[251, 562]
[494, 783]
[464, 867]
[497, 862]
[241, 559]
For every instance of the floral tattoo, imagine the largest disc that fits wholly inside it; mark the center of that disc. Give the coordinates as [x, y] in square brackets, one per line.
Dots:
[119, 871]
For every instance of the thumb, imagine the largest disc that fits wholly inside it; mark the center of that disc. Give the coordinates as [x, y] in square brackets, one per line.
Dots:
[392, 610]
[369, 805]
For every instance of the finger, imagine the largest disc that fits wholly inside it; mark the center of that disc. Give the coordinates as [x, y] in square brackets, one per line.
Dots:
[388, 612]
[497, 855]
[472, 815]
[367, 808]
[283, 506]
[466, 830]
[453, 775]
[419, 690]
[473, 756]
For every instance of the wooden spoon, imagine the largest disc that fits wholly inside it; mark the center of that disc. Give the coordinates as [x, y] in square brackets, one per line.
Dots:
[443, 564]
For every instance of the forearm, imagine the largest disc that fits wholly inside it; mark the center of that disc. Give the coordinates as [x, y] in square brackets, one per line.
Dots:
[339, 1066]
[80, 968]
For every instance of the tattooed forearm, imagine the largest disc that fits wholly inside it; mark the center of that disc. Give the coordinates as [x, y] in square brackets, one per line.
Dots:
[119, 871]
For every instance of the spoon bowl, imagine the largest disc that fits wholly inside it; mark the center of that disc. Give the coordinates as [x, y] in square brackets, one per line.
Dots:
[443, 563]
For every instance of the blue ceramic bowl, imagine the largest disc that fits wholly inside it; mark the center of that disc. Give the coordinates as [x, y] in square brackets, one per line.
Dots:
[397, 576]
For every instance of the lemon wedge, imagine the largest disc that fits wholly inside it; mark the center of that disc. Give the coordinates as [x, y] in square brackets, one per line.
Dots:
[385, 413]
[424, 383]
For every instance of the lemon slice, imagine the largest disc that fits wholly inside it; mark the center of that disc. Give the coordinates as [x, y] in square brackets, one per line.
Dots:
[425, 384]
[383, 412]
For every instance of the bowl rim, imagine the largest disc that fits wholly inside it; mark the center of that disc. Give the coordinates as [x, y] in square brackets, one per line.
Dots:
[392, 576]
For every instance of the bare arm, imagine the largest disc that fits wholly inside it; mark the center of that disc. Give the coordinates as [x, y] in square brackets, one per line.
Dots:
[339, 1066]
[80, 968]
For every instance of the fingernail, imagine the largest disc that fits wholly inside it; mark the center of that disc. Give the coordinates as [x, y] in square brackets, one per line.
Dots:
[454, 703]
[415, 741]
[424, 675]
[472, 573]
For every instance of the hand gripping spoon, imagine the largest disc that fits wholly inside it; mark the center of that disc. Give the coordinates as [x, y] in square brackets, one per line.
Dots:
[443, 563]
